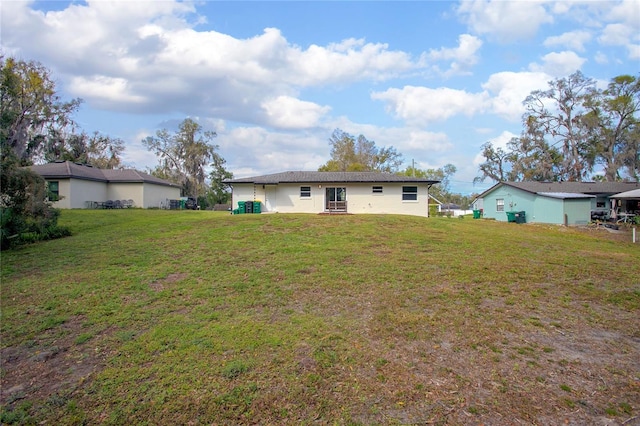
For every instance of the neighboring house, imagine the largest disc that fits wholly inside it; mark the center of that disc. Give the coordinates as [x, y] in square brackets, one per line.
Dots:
[335, 192]
[78, 186]
[451, 209]
[564, 203]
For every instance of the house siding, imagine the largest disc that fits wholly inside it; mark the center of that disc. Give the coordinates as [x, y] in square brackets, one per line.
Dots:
[74, 193]
[514, 200]
[577, 211]
[548, 210]
[85, 190]
[156, 195]
[128, 191]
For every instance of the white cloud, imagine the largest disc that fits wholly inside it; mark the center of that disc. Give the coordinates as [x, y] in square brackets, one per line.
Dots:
[616, 35]
[627, 11]
[147, 57]
[504, 21]
[106, 88]
[289, 113]
[422, 105]
[255, 150]
[601, 58]
[462, 58]
[559, 64]
[574, 40]
[346, 61]
[509, 89]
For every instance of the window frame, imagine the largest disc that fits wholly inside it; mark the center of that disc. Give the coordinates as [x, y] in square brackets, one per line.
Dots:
[53, 195]
[305, 191]
[377, 189]
[410, 193]
[499, 204]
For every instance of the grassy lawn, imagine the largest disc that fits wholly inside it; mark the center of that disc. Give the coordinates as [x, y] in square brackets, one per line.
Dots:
[190, 317]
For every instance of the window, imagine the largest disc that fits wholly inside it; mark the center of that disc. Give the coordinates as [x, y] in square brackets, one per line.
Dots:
[600, 204]
[54, 188]
[499, 204]
[305, 192]
[409, 193]
[377, 190]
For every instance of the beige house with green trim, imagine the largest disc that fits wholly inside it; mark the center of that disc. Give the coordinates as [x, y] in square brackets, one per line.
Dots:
[79, 186]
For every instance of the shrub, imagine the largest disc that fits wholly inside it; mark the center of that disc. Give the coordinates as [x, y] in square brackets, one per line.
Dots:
[25, 214]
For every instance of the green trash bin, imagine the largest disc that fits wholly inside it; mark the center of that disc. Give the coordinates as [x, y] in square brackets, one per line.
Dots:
[241, 207]
[521, 217]
[256, 206]
[511, 216]
[477, 214]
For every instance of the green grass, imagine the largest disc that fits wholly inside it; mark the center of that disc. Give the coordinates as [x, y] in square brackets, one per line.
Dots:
[165, 317]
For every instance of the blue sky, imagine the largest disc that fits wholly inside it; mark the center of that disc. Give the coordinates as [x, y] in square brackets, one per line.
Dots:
[434, 79]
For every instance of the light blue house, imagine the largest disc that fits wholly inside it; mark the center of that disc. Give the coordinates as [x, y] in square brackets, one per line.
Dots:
[562, 203]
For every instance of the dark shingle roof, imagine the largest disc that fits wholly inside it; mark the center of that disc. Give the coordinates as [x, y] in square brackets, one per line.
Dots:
[591, 188]
[335, 177]
[67, 169]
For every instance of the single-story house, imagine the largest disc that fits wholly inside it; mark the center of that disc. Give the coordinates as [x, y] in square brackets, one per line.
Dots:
[77, 186]
[563, 203]
[335, 192]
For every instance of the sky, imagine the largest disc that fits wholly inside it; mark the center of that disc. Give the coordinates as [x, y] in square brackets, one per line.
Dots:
[433, 79]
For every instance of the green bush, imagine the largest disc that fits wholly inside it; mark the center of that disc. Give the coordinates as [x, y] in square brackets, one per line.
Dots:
[25, 214]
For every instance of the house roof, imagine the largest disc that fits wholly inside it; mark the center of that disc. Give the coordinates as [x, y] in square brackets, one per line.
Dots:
[565, 195]
[335, 177]
[568, 188]
[633, 194]
[68, 169]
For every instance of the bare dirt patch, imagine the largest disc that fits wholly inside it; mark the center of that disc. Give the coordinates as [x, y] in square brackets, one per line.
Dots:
[159, 285]
[53, 366]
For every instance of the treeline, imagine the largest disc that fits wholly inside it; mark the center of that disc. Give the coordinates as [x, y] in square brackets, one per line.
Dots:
[573, 131]
[359, 154]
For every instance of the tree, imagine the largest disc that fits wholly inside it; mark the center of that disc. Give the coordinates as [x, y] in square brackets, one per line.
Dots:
[612, 126]
[97, 150]
[531, 158]
[496, 165]
[183, 155]
[444, 174]
[558, 113]
[569, 130]
[30, 109]
[218, 191]
[349, 154]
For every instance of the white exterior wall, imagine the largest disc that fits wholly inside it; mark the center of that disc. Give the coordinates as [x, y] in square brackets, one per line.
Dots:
[75, 193]
[86, 190]
[285, 198]
[155, 195]
[127, 191]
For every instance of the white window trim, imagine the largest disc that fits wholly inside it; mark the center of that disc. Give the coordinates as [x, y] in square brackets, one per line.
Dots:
[417, 193]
